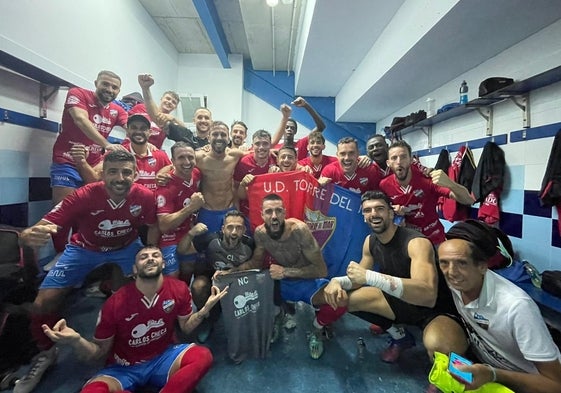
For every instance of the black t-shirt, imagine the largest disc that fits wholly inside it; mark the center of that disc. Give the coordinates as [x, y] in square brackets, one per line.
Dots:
[183, 134]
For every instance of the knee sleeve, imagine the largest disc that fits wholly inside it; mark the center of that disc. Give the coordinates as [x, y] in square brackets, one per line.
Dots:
[327, 315]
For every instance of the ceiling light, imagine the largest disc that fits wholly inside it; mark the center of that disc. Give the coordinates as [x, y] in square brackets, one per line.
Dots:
[272, 3]
[286, 2]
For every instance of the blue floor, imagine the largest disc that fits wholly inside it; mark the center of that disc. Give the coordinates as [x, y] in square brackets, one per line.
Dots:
[288, 368]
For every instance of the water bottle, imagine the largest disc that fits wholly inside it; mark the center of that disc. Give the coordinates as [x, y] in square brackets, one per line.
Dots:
[360, 348]
[534, 274]
[464, 93]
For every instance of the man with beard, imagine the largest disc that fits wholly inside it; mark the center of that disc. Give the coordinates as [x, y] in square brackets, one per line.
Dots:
[106, 215]
[346, 172]
[415, 196]
[178, 203]
[148, 161]
[238, 131]
[405, 288]
[298, 264]
[288, 127]
[217, 168]
[135, 333]
[316, 161]
[87, 119]
[173, 128]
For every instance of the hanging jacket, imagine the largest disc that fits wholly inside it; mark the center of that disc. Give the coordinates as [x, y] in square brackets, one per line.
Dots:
[443, 161]
[489, 174]
[550, 193]
[461, 171]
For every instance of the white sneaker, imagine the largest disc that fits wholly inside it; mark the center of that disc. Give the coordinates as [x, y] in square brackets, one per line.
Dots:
[94, 290]
[52, 263]
[40, 363]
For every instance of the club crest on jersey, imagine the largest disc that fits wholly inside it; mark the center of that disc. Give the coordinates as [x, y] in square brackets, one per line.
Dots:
[167, 305]
[152, 161]
[363, 181]
[418, 193]
[322, 226]
[135, 210]
[113, 112]
[161, 201]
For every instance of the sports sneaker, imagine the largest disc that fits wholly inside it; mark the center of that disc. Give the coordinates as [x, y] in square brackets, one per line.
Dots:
[392, 352]
[40, 364]
[376, 330]
[315, 344]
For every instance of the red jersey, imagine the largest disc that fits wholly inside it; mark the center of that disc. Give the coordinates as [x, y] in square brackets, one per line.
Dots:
[301, 146]
[420, 198]
[101, 224]
[364, 179]
[149, 165]
[103, 118]
[316, 169]
[173, 197]
[157, 135]
[142, 328]
[248, 166]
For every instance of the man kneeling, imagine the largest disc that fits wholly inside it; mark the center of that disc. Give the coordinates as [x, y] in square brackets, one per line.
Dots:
[135, 333]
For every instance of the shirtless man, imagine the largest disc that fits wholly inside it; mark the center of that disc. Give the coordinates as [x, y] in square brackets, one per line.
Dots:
[299, 264]
[217, 168]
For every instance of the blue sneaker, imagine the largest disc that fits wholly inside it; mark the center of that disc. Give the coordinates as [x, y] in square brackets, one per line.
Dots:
[393, 351]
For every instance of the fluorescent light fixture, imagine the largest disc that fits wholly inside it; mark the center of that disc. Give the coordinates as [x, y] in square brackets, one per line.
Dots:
[272, 3]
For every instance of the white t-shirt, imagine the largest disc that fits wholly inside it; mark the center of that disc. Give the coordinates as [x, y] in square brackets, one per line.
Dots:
[505, 326]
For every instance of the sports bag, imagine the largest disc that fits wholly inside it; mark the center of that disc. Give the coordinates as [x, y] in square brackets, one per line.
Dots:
[551, 282]
[490, 85]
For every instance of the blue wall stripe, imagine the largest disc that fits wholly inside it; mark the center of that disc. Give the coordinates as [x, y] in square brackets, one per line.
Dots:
[279, 89]
[511, 201]
[21, 119]
[511, 224]
[555, 235]
[473, 144]
[40, 189]
[18, 163]
[15, 214]
[544, 131]
[532, 205]
[14, 190]
[211, 22]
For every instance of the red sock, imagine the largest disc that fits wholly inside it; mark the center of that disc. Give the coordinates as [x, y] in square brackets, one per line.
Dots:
[37, 320]
[96, 387]
[327, 315]
[195, 363]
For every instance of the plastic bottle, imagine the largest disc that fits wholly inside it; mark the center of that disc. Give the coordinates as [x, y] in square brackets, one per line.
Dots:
[464, 93]
[534, 274]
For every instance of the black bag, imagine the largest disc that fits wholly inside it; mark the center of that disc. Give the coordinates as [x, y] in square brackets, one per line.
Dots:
[551, 282]
[18, 285]
[490, 85]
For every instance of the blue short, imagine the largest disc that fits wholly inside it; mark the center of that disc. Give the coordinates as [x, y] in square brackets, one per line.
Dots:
[173, 259]
[76, 263]
[154, 372]
[65, 175]
[213, 219]
[301, 290]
